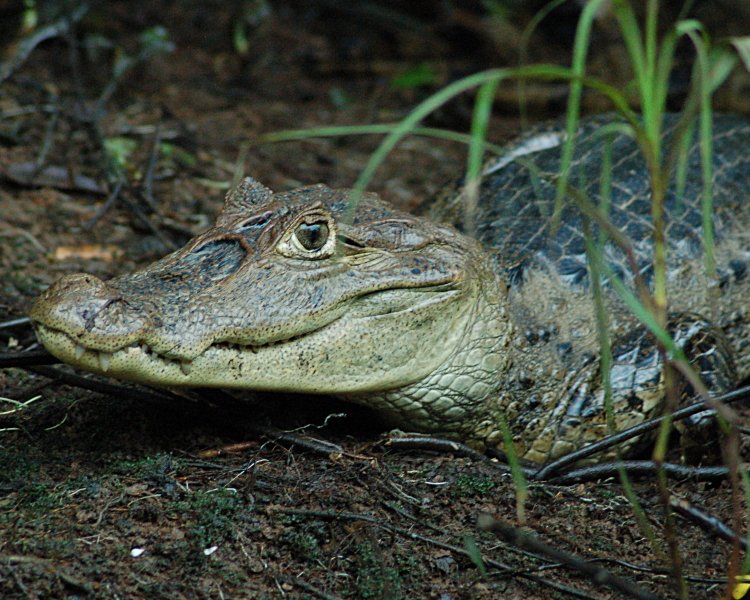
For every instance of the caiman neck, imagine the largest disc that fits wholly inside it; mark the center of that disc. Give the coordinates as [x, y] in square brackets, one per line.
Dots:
[459, 399]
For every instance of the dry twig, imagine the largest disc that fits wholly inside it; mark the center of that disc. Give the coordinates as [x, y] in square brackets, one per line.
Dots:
[599, 575]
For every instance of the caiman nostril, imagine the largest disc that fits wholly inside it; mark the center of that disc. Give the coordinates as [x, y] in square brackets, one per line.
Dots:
[89, 324]
[76, 304]
[73, 298]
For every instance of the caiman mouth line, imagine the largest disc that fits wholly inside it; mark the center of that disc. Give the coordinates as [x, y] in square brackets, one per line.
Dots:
[104, 358]
[82, 354]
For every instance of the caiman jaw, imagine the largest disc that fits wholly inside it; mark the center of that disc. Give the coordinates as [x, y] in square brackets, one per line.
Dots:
[284, 293]
[309, 362]
[122, 361]
[67, 349]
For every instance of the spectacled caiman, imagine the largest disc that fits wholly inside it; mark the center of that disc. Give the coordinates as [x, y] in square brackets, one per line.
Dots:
[438, 331]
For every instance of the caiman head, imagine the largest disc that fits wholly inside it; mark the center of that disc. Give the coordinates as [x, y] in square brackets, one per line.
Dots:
[293, 291]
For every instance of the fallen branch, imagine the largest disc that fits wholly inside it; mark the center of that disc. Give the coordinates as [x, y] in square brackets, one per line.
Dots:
[638, 467]
[546, 471]
[27, 45]
[707, 522]
[599, 575]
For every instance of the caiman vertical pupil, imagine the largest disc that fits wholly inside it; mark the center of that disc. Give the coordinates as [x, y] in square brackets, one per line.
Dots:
[312, 236]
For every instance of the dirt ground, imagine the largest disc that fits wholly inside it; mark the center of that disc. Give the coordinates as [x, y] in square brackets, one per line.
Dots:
[126, 493]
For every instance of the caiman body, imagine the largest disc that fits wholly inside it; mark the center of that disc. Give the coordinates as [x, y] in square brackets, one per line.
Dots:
[436, 330]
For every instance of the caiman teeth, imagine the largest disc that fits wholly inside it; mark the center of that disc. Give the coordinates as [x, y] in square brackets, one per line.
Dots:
[105, 359]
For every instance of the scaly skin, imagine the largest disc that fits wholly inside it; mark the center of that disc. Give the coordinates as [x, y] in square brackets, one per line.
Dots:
[434, 330]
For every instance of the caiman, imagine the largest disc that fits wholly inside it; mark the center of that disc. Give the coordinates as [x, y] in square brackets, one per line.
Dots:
[436, 330]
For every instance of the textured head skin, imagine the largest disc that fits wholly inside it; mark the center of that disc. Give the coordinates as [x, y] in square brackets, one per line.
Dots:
[246, 304]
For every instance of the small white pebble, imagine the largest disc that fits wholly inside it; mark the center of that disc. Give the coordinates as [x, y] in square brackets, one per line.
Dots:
[136, 552]
[210, 551]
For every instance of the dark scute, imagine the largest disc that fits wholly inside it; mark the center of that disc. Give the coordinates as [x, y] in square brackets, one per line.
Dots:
[739, 268]
[350, 242]
[573, 270]
[517, 204]
[617, 270]
[516, 273]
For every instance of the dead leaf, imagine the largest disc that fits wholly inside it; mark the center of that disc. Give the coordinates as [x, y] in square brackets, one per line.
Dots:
[29, 174]
[105, 252]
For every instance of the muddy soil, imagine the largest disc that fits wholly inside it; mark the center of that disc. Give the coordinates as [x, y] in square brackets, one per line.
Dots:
[128, 493]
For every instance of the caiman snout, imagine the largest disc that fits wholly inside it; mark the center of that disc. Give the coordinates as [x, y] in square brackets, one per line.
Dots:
[75, 305]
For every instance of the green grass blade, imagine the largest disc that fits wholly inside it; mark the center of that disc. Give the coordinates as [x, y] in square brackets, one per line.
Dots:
[742, 47]
[519, 480]
[578, 69]
[475, 554]
[409, 123]
[523, 51]
[479, 124]
[603, 334]
[631, 33]
[289, 135]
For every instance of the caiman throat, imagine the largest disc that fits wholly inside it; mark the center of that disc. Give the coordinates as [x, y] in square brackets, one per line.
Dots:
[438, 331]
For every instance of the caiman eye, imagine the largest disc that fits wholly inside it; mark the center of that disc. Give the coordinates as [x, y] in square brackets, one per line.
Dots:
[312, 236]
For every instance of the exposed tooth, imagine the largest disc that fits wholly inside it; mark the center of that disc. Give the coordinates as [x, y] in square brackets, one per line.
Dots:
[79, 351]
[104, 360]
[186, 367]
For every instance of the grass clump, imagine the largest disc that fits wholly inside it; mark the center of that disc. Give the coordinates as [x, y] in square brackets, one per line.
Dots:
[471, 485]
[303, 545]
[214, 515]
[304, 537]
[375, 578]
